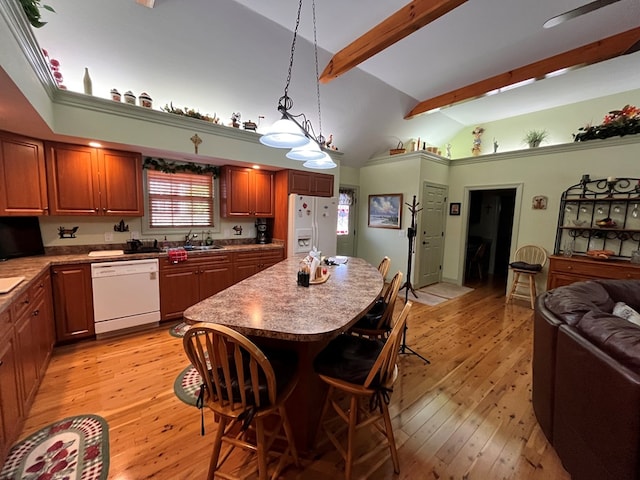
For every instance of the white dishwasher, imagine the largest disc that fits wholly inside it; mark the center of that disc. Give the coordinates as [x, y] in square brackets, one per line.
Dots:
[125, 294]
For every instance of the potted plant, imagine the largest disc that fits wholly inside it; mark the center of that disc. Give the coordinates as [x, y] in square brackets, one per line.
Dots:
[32, 11]
[534, 137]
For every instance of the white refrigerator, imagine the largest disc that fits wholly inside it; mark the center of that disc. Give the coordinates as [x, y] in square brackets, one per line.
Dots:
[313, 222]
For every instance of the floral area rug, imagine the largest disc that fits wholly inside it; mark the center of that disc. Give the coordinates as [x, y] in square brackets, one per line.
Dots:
[76, 448]
[179, 329]
[187, 386]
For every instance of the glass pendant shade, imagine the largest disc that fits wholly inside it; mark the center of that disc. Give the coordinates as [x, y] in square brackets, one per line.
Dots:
[284, 134]
[310, 151]
[324, 163]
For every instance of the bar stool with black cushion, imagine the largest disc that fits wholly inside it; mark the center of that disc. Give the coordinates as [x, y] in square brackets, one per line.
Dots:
[529, 261]
[243, 385]
[360, 373]
[377, 322]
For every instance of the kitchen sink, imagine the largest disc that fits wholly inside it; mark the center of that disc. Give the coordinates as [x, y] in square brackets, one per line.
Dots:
[202, 247]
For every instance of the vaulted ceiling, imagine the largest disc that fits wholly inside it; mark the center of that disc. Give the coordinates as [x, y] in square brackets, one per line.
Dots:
[225, 57]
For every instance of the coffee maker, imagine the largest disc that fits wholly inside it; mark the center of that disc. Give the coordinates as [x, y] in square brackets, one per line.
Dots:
[261, 230]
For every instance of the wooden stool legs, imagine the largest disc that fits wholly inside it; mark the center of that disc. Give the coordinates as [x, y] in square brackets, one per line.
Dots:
[517, 282]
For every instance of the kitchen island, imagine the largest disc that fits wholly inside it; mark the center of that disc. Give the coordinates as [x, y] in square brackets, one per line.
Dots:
[274, 311]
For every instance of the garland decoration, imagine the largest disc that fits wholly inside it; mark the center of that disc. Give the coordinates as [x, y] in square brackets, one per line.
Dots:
[615, 123]
[175, 167]
[190, 112]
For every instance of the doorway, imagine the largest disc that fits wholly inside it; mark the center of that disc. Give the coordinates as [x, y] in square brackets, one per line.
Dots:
[489, 235]
[347, 221]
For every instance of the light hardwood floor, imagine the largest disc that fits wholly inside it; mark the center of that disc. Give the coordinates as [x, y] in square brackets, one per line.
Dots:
[466, 416]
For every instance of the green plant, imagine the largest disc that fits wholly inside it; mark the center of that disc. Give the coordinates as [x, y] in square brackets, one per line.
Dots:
[32, 11]
[534, 137]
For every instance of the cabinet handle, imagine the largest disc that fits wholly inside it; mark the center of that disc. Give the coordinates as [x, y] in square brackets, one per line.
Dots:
[104, 209]
[36, 313]
[26, 302]
[1, 363]
[569, 267]
[96, 209]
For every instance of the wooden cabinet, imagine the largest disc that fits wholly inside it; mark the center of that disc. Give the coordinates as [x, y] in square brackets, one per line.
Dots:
[310, 183]
[250, 263]
[246, 192]
[72, 302]
[90, 181]
[186, 283]
[11, 412]
[23, 182]
[567, 270]
[26, 343]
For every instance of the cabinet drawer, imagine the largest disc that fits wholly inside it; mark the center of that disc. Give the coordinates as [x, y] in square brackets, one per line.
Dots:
[21, 304]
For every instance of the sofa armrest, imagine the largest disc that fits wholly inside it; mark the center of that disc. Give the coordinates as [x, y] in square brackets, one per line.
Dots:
[596, 418]
[545, 332]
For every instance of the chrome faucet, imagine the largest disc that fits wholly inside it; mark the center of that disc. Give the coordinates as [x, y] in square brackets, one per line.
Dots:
[188, 238]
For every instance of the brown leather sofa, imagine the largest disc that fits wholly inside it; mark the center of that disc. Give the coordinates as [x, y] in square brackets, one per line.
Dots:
[586, 378]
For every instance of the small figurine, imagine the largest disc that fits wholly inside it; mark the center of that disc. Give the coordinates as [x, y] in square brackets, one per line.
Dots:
[251, 126]
[495, 146]
[477, 140]
[237, 229]
[67, 232]
[235, 120]
[448, 150]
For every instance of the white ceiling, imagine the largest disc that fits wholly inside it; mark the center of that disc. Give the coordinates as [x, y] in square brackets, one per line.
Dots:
[224, 57]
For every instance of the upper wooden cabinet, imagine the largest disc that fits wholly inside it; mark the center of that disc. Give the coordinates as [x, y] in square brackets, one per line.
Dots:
[90, 181]
[246, 192]
[23, 183]
[310, 183]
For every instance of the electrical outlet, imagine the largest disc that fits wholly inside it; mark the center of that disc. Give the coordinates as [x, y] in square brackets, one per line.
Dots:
[108, 237]
[135, 235]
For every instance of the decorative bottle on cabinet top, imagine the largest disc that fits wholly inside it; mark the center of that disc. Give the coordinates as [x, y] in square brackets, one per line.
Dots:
[88, 87]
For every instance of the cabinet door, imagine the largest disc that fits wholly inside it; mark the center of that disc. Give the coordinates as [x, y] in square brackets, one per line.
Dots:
[10, 398]
[214, 278]
[244, 269]
[23, 179]
[299, 182]
[73, 302]
[179, 289]
[27, 350]
[43, 321]
[322, 185]
[264, 203]
[120, 183]
[72, 175]
[236, 197]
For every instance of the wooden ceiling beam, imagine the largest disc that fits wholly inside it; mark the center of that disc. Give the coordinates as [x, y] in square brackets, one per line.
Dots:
[589, 54]
[401, 24]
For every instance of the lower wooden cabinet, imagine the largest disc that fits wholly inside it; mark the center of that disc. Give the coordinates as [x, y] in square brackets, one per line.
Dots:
[72, 302]
[11, 412]
[186, 283]
[250, 263]
[26, 343]
[567, 270]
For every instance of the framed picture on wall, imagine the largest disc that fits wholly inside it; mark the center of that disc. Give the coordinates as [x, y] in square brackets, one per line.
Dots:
[385, 211]
[454, 209]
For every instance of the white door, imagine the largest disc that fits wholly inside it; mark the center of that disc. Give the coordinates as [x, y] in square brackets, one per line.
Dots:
[347, 221]
[430, 235]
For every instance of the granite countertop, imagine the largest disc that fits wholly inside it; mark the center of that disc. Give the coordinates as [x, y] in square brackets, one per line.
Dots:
[271, 304]
[31, 267]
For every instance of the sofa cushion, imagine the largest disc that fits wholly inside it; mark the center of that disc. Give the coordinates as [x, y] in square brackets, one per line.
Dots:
[627, 291]
[623, 310]
[614, 335]
[571, 302]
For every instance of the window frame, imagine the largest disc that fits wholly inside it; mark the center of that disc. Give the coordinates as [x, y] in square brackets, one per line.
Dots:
[146, 219]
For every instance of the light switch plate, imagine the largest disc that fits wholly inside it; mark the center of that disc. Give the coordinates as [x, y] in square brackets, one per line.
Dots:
[108, 237]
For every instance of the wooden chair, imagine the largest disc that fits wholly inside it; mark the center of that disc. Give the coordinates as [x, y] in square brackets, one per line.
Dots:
[360, 373]
[383, 268]
[243, 386]
[377, 321]
[528, 262]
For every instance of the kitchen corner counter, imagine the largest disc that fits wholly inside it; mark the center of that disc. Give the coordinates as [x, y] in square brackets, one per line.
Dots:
[31, 267]
[270, 304]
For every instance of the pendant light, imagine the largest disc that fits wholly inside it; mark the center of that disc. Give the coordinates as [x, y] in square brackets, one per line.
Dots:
[288, 132]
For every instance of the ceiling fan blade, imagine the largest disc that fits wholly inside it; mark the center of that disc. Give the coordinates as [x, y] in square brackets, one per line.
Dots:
[576, 12]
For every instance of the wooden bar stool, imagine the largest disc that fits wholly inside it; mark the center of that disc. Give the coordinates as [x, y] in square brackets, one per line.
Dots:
[243, 386]
[360, 373]
[528, 262]
[377, 322]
